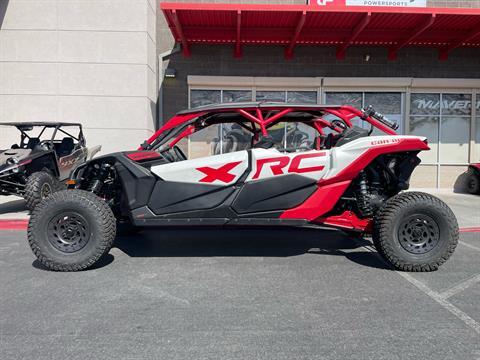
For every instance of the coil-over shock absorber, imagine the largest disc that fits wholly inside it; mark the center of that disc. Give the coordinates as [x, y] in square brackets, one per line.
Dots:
[362, 195]
[100, 174]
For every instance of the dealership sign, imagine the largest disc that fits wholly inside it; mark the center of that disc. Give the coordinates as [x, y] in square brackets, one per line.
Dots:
[394, 3]
[397, 3]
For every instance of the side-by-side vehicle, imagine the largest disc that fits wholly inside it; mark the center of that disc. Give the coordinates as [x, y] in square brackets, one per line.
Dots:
[348, 171]
[43, 158]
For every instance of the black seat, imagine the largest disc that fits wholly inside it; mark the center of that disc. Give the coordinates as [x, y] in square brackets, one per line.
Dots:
[265, 142]
[66, 147]
[32, 143]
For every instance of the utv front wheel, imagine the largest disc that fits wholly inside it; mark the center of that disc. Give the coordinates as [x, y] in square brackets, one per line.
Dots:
[473, 182]
[415, 232]
[71, 230]
[39, 186]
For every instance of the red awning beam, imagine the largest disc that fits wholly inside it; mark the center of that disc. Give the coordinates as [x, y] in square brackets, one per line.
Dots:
[238, 44]
[358, 29]
[424, 25]
[475, 32]
[296, 34]
[181, 35]
[341, 26]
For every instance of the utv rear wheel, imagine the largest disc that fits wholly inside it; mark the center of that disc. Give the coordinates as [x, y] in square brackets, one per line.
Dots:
[473, 182]
[39, 186]
[71, 230]
[415, 232]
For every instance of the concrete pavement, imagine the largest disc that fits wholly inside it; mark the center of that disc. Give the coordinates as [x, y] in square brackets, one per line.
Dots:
[230, 294]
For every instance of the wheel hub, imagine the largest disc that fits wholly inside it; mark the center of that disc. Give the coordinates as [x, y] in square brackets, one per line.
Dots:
[68, 232]
[418, 234]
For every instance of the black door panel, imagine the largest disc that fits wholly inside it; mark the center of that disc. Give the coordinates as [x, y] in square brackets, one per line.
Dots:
[276, 193]
[170, 197]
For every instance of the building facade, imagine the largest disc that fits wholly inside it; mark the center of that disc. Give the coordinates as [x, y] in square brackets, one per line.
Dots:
[116, 67]
[92, 62]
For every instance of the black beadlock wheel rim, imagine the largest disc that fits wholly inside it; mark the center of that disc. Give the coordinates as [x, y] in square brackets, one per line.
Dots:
[45, 191]
[68, 232]
[418, 234]
[472, 184]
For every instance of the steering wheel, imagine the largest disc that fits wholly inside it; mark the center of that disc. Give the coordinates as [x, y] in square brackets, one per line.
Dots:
[44, 145]
[340, 124]
[179, 153]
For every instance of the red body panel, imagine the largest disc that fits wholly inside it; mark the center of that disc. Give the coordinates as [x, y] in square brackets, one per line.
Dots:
[320, 202]
[331, 189]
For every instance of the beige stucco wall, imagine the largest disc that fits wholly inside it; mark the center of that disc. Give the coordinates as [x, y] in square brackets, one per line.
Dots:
[88, 61]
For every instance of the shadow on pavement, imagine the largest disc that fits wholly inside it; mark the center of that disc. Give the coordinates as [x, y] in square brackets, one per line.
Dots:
[12, 206]
[106, 260]
[264, 242]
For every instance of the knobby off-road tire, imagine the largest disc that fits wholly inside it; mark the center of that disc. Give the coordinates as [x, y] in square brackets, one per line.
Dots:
[473, 182]
[39, 186]
[415, 232]
[71, 230]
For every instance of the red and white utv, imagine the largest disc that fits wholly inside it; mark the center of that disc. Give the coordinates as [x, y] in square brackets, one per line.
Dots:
[473, 178]
[340, 177]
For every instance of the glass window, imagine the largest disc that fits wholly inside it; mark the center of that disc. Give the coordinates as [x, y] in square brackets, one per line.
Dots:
[385, 103]
[456, 104]
[302, 97]
[425, 104]
[234, 138]
[389, 104]
[344, 98]
[236, 96]
[300, 136]
[204, 97]
[204, 142]
[454, 142]
[477, 131]
[445, 121]
[427, 126]
[278, 96]
[455, 128]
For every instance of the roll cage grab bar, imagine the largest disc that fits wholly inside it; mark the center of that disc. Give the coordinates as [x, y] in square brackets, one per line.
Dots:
[345, 113]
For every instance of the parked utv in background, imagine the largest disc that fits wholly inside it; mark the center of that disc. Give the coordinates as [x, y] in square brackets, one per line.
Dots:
[473, 178]
[341, 177]
[42, 160]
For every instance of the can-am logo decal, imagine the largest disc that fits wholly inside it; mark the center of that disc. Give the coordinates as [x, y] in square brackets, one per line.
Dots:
[385, 142]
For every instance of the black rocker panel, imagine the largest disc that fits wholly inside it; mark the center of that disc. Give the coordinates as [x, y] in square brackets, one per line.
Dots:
[277, 193]
[171, 197]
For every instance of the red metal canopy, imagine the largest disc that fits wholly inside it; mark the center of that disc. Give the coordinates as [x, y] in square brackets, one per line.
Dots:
[340, 26]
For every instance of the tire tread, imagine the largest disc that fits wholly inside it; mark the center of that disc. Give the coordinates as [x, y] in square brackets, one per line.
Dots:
[88, 200]
[382, 232]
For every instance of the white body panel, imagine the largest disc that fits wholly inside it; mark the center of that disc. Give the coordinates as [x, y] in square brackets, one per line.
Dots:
[187, 171]
[344, 155]
[226, 169]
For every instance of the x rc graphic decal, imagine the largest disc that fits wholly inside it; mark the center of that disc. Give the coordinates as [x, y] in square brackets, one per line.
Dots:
[220, 174]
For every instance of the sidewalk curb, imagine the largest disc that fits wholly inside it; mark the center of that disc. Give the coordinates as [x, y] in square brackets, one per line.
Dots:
[14, 224]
